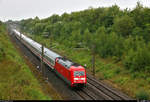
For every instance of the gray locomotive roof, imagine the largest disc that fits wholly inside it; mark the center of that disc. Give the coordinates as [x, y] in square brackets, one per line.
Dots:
[36, 45]
[65, 63]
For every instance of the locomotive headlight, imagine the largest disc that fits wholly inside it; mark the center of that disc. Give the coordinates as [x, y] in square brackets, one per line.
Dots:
[82, 78]
[76, 78]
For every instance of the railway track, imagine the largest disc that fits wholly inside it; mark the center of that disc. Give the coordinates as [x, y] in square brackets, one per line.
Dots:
[84, 95]
[94, 90]
[107, 92]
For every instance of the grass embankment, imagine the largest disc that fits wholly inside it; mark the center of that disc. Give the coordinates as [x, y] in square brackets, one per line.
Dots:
[16, 80]
[134, 84]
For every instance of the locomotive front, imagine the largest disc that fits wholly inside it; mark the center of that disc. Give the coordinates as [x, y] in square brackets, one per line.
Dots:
[78, 76]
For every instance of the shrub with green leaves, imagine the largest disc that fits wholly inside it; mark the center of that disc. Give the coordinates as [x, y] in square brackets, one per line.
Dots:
[142, 95]
[121, 80]
[138, 58]
[117, 70]
[148, 80]
[2, 53]
[134, 75]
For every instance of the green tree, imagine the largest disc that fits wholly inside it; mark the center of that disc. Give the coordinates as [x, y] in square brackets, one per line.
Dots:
[137, 14]
[137, 31]
[87, 38]
[102, 38]
[138, 58]
[146, 32]
[124, 25]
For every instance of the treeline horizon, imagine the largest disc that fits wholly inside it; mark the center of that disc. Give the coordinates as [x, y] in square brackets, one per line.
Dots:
[123, 35]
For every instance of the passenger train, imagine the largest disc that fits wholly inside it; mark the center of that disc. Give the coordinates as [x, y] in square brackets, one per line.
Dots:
[71, 73]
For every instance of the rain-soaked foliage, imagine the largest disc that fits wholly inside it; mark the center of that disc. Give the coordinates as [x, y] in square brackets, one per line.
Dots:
[120, 34]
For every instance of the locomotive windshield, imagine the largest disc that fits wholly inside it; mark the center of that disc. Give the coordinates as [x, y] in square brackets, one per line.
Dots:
[79, 73]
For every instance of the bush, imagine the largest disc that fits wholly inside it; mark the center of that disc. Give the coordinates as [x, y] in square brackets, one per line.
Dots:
[115, 59]
[124, 25]
[134, 75]
[108, 75]
[97, 70]
[142, 95]
[121, 80]
[109, 45]
[141, 83]
[117, 70]
[142, 75]
[148, 80]
[1, 54]
[137, 59]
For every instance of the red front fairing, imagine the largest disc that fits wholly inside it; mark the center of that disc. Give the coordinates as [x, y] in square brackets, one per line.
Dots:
[78, 79]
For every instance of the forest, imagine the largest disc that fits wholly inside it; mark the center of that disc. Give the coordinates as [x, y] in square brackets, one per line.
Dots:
[123, 35]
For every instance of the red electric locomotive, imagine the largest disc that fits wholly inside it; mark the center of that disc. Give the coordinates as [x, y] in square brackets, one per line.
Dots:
[73, 74]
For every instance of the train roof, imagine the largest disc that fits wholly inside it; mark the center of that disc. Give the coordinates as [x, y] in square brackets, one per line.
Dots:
[51, 53]
[67, 63]
[36, 45]
[18, 33]
[63, 61]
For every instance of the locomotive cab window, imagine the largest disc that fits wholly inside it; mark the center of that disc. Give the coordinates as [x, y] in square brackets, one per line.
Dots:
[79, 73]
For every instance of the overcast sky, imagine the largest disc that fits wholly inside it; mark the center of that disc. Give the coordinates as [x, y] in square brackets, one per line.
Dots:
[22, 9]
